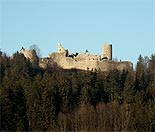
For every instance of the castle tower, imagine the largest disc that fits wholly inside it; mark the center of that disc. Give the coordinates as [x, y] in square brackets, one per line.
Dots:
[107, 51]
[31, 55]
[60, 48]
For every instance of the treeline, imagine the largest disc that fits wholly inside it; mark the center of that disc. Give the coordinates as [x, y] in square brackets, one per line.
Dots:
[53, 99]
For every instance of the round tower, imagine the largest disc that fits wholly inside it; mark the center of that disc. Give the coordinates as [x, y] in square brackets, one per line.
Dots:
[107, 51]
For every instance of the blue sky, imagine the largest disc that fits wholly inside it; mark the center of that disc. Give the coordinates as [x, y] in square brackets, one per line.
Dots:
[79, 25]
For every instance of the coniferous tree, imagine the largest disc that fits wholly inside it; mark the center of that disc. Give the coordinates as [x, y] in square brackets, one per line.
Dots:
[112, 85]
[49, 101]
[53, 99]
[64, 87]
[76, 89]
[13, 83]
[34, 104]
[129, 87]
[141, 78]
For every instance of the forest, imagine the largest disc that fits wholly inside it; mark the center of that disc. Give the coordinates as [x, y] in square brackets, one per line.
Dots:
[54, 99]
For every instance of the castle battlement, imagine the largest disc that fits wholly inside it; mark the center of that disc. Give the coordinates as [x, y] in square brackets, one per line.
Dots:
[86, 61]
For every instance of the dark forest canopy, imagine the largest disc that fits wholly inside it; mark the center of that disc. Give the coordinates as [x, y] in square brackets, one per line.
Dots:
[53, 99]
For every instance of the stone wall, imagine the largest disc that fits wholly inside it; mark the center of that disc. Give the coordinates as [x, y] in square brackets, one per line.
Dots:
[88, 62]
[111, 65]
[80, 61]
[31, 55]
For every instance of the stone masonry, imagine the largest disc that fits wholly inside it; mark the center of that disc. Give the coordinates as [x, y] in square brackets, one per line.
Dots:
[86, 61]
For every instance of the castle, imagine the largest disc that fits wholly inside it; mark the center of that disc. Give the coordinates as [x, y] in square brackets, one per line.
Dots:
[86, 61]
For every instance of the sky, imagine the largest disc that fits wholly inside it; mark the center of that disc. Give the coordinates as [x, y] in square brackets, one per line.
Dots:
[79, 25]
